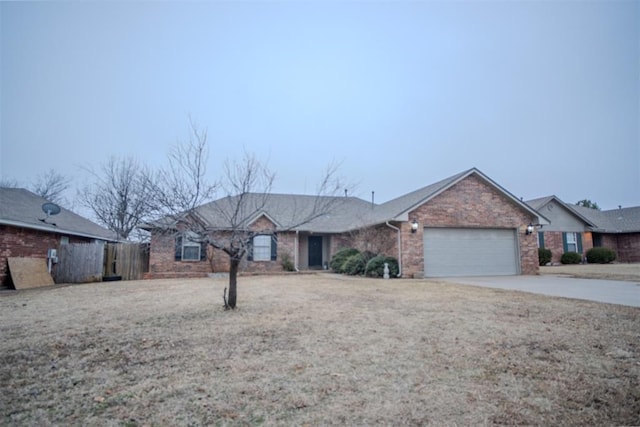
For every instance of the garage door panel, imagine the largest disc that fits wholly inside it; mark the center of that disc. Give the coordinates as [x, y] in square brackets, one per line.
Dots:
[469, 252]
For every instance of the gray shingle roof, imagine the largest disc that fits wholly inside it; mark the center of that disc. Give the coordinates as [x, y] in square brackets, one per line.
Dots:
[22, 208]
[624, 220]
[290, 211]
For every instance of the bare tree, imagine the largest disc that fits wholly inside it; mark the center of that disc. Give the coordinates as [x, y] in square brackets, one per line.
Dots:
[248, 184]
[182, 185]
[9, 183]
[225, 224]
[51, 185]
[119, 197]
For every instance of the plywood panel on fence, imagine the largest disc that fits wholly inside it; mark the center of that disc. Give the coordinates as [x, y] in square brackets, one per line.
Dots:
[29, 273]
[80, 263]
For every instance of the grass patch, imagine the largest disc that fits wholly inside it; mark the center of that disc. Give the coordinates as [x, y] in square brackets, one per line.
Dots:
[314, 349]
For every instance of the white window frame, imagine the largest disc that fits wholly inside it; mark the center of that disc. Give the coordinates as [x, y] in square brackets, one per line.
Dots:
[262, 247]
[572, 242]
[189, 243]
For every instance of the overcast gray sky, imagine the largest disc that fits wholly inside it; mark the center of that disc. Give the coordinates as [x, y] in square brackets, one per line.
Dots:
[543, 97]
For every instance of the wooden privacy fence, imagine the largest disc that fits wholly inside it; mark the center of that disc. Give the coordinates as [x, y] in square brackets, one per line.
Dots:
[80, 263]
[127, 260]
[91, 262]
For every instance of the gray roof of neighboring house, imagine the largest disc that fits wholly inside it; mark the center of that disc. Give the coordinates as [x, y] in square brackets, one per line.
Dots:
[22, 208]
[624, 220]
[289, 211]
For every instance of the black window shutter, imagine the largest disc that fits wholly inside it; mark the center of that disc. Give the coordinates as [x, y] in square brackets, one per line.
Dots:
[178, 248]
[203, 251]
[250, 250]
[579, 242]
[274, 247]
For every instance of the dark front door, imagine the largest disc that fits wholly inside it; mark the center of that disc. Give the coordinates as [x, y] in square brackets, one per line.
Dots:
[315, 251]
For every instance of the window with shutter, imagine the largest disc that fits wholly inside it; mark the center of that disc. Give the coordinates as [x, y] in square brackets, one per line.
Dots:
[261, 247]
[188, 247]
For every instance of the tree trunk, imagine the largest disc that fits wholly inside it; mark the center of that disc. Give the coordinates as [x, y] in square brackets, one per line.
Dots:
[233, 280]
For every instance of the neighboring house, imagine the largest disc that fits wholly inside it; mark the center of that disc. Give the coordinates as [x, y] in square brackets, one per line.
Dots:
[26, 231]
[463, 225]
[568, 231]
[618, 229]
[577, 229]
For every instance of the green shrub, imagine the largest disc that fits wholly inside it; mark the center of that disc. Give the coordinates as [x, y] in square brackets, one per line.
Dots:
[287, 263]
[571, 258]
[544, 256]
[338, 259]
[375, 266]
[601, 255]
[355, 264]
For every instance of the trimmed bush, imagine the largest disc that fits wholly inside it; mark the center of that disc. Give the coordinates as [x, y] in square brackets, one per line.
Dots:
[601, 255]
[375, 266]
[338, 259]
[355, 264]
[544, 256]
[571, 258]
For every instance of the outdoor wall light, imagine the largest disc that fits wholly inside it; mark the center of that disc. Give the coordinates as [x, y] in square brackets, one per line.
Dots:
[414, 226]
[531, 228]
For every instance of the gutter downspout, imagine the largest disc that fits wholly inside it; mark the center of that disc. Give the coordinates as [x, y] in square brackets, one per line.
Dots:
[399, 247]
[295, 251]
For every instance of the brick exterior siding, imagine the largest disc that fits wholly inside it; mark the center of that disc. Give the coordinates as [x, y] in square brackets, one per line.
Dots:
[469, 203]
[553, 242]
[24, 242]
[626, 245]
[162, 262]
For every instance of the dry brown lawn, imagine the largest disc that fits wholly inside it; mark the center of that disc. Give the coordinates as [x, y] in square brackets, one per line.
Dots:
[628, 272]
[314, 350]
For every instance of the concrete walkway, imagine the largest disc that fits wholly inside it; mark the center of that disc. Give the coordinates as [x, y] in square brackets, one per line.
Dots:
[609, 291]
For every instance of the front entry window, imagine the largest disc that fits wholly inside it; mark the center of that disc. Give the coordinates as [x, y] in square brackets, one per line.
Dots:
[572, 242]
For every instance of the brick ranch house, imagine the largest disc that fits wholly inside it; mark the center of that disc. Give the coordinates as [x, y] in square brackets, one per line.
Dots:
[25, 230]
[577, 229]
[463, 225]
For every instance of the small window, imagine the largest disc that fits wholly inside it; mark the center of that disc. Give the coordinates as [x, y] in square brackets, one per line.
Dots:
[64, 240]
[262, 248]
[188, 247]
[572, 242]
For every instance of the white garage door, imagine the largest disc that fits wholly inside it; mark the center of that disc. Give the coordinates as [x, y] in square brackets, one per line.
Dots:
[470, 252]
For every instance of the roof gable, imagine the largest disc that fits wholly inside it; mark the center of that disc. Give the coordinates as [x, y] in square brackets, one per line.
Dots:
[545, 202]
[404, 204]
[289, 211]
[22, 208]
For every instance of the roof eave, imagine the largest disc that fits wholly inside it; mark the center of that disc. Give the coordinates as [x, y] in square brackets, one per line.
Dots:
[404, 215]
[57, 230]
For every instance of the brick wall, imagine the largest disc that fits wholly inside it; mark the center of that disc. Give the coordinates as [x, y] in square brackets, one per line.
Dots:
[553, 242]
[24, 242]
[469, 203]
[626, 245]
[162, 263]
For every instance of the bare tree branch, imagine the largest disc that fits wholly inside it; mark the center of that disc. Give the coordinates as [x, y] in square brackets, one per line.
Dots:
[119, 196]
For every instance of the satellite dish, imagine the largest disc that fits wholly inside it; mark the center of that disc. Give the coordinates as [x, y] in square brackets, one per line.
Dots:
[50, 209]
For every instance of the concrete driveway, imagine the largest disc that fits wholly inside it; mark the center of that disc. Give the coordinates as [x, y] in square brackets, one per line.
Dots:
[609, 291]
